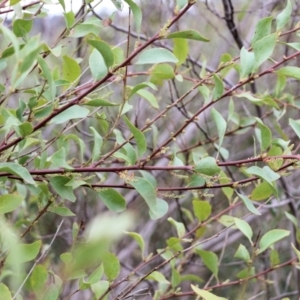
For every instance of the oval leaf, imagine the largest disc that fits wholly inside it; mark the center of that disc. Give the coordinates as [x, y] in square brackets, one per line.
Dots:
[111, 265]
[202, 209]
[138, 136]
[187, 34]
[244, 227]
[24, 252]
[18, 170]
[98, 102]
[271, 238]
[137, 14]
[205, 294]
[249, 204]
[207, 166]
[9, 203]
[156, 56]
[112, 199]
[71, 69]
[104, 50]
[74, 112]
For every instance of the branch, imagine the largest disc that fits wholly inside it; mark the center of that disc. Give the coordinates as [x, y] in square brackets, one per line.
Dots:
[231, 283]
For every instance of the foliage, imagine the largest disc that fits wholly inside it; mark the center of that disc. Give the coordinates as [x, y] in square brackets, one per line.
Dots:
[134, 167]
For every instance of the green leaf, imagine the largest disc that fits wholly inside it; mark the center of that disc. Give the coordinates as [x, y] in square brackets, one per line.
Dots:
[137, 14]
[70, 19]
[112, 199]
[47, 73]
[29, 55]
[187, 34]
[176, 278]
[289, 71]
[283, 18]
[71, 69]
[226, 220]
[118, 4]
[13, 2]
[207, 166]
[5, 292]
[181, 3]
[295, 46]
[140, 241]
[53, 290]
[97, 65]
[96, 275]
[9, 202]
[180, 50]
[138, 136]
[141, 86]
[98, 102]
[249, 204]
[58, 159]
[265, 173]
[18, 170]
[264, 48]
[159, 277]
[62, 211]
[262, 29]
[66, 257]
[98, 142]
[205, 294]
[99, 288]
[80, 142]
[202, 209]
[196, 180]
[274, 258]
[249, 96]
[246, 273]
[11, 37]
[247, 61]
[221, 125]
[297, 252]
[179, 227]
[74, 112]
[62, 3]
[60, 187]
[145, 189]
[161, 72]
[22, 27]
[245, 228]
[296, 126]
[22, 253]
[24, 129]
[219, 88]
[159, 209]
[156, 56]
[292, 218]
[149, 177]
[131, 154]
[271, 237]
[84, 29]
[261, 192]
[104, 50]
[210, 259]
[38, 279]
[242, 253]
[265, 135]
[111, 265]
[149, 97]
